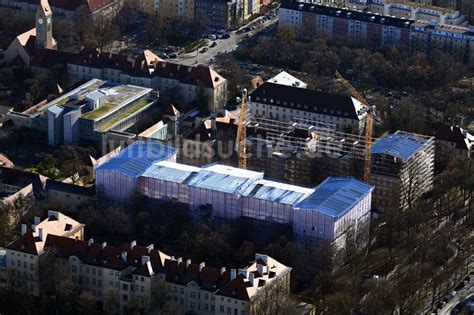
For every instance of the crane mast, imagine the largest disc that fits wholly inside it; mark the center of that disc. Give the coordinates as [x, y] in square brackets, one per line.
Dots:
[242, 132]
[369, 123]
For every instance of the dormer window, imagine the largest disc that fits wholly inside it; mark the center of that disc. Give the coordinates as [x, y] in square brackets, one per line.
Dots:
[257, 98]
[264, 99]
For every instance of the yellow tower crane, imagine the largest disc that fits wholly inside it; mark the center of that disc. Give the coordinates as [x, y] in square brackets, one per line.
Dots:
[242, 132]
[369, 123]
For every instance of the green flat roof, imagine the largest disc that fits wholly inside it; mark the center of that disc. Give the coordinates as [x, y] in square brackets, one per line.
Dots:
[99, 112]
[124, 115]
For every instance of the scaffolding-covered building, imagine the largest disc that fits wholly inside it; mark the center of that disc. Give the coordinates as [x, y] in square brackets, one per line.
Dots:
[335, 205]
[272, 201]
[167, 180]
[117, 178]
[230, 193]
[402, 169]
[220, 187]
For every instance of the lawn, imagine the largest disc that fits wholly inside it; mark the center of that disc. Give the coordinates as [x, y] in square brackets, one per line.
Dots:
[124, 115]
[99, 112]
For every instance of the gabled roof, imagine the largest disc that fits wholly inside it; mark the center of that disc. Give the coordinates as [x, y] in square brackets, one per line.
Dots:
[138, 157]
[336, 196]
[20, 178]
[56, 224]
[171, 111]
[44, 6]
[307, 100]
[400, 145]
[463, 139]
[89, 6]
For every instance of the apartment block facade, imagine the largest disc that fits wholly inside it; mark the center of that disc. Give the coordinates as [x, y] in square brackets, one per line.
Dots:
[23, 255]
[417, 11]
[357, 29]
[217, 13]
[132, 273]
[351, 27]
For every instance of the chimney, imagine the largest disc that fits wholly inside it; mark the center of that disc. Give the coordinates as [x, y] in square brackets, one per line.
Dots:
[201, 266]
[90, 241]
[124, 256]
[104, 244]
[251, 278]
[53, 213]
[188, 262]
[149, 248]
[179, 260]
[244, 273]
[232, 274]
[145, 259]
[133, 244]
[150, 268]
[260, 269]
[37, 220]
[222, 270]
[262, 257]
[40, 234]
[23, 229]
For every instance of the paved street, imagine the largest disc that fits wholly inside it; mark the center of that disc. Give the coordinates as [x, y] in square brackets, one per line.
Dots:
[223, 46]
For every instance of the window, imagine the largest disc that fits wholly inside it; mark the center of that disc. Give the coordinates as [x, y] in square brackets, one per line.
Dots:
[125, 287]
[229, 310]
[73, 268]
[142, 289]
[222, 308]
[192, 294]
[32, 267]
[111, 283]
[124, 297]
[88, 270]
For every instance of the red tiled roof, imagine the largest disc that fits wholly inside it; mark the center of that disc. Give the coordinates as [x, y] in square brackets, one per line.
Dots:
[72, 5]
[25, 243]
[453, 134]
[235, 289]
[19, 178]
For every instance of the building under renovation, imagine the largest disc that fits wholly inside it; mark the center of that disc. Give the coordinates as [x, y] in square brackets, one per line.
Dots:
[402, 169]
[326, 211]
[303, 152]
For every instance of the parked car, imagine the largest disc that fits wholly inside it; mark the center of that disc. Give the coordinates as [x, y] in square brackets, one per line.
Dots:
[173, 55]
[214, 44]
[212, 37]
[225, 36]
[203, 50]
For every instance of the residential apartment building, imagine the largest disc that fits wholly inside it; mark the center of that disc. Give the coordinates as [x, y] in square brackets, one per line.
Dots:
[23, 254]
[402, 169]
[292, 103]
[69, 9]
[353, 28]
[456, 41]
[182, 10]
[409, 10]
[132, 272]
[356, 29]
[326, 211]
[453, 142]
[217, 13]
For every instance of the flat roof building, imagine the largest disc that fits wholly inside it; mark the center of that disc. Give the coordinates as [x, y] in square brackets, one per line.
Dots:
[402, 169]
